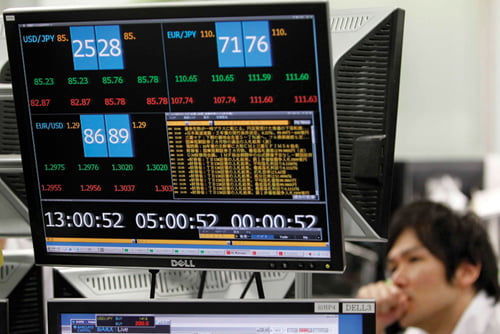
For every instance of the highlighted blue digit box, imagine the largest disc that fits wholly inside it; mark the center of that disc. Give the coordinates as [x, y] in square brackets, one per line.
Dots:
[94, 136]
[119, 136]
[96, 47]
[243, 44]
[109, 46]
[106, 136]
[257, 44]
[229, 44]
[84, 48]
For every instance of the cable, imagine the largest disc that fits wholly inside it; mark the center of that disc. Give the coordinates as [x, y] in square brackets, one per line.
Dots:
[203, 279]
[153, 272]
[258, 282]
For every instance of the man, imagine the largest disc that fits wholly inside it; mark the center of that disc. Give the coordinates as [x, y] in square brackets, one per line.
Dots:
[443, 275]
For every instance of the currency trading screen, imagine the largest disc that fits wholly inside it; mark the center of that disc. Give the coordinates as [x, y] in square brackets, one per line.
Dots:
[198, 136]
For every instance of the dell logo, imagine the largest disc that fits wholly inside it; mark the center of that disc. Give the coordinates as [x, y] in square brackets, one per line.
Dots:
[182, 263]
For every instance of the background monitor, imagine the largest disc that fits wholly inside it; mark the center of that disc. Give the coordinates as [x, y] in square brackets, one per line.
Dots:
[299, 316]
[21, 284]
[179, 135]
[367, 50]
[4, 316]
[13, 210]
[452, 182]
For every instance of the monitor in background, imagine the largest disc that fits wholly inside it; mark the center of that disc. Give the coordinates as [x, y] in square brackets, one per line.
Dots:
[179, 135]
[413, 178]
[4, 316]
[67, 316]
[367, 49]
[9, 139]
[13, 210]
[21, 284]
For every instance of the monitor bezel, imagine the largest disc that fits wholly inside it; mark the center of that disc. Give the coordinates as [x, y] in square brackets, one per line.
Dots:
[14, 18]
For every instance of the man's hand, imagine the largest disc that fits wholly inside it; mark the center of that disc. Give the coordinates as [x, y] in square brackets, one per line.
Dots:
[391, 302]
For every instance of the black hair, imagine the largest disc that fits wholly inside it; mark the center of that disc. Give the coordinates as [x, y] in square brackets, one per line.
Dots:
[451, 237]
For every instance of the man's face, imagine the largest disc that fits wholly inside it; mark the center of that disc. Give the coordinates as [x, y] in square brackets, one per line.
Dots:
[422, 278]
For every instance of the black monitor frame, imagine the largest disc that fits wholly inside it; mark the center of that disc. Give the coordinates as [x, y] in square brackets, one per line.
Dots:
[4, 316]
[297, 213]
[368, 47]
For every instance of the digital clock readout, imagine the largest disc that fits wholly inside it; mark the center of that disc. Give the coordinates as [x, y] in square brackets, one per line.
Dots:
[148, 220]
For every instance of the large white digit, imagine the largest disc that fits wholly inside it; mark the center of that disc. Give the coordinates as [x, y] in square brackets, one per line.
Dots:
[248, 220]
[90, 47]
[170, 221]
[124, 135]
[88, 136]
[236, 220]
[115, 49]
[103, 49]
[314, 220]
[182, 221]
[140, 220]
[99, 137]
[279, 221]
[113, 136]
[262, 45]
[226, 41]
[236, 45]
[77, 53]
[300, 220]
[252, 43]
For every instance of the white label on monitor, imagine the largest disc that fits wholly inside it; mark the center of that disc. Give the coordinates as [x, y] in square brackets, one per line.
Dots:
[326, 307]
[358, 308]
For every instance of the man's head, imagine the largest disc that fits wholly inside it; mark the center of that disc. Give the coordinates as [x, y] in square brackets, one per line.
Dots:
[452, 238]
[438, 260]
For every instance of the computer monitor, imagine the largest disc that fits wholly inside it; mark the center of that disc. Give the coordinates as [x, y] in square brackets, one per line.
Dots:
[367, 51]
[21, 285]
[179, 135]
[13, 210]
[67, 316]
[4, 316]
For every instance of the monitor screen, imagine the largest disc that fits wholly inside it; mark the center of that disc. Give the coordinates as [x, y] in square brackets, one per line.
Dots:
[257, 316]
[193, 135]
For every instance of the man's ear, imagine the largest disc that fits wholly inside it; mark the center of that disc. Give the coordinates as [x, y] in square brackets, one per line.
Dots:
[467, 274]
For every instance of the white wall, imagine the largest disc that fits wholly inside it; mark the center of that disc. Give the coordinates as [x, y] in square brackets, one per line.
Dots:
[492, 71]
[443, 113]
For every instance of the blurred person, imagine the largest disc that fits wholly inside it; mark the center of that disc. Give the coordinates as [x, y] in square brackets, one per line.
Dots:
[442, 274]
